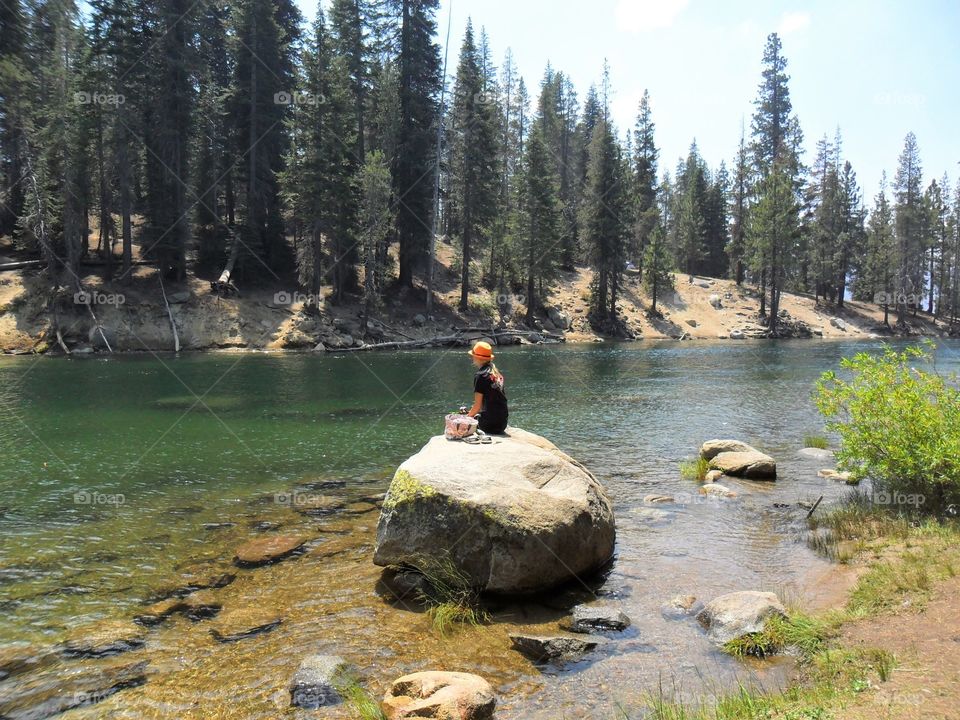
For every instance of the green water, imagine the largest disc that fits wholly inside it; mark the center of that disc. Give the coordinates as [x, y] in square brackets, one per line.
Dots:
[112, 467]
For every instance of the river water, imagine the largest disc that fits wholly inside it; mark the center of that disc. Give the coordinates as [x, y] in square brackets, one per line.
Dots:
[114, 470]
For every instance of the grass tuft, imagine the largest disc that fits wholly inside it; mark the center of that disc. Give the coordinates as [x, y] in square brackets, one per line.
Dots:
[694, 469]
[451, 601]
[815, 441]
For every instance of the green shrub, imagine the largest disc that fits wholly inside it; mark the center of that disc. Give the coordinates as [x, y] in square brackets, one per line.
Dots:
[899, 426]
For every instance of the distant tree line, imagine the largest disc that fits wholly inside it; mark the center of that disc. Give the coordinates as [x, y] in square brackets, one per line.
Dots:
[228, 141]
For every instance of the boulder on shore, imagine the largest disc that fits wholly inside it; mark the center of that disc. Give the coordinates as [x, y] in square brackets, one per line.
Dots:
[514, 516]
[736, 614]
[435, 694]
[737, 459]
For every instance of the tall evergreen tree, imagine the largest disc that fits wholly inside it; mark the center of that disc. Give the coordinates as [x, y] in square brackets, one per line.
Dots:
[645, 155]
[739, 200]
[414, 162]
[474, 162]
[776, 138]
[908, 211]
[542, 231]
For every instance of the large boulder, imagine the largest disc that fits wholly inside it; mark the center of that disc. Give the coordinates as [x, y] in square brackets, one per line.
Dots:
[514, 516]
[436, 694]
[736, 614]
[711, 448]
[753, 465]
[737, 459]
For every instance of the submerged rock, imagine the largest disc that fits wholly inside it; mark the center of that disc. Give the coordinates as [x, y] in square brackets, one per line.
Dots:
[815, 453]
[515, 516]
[315, 683]
[243, 623]
[590, 618]
[712, 476]
[201, 605]
[831, 474]
[547, 648]
[157, 612]
[680, 606]
[44, 695]
[443, 695]
[105, 638]
[264, 551]
[736, 614]
[22, 658]
[717, 490]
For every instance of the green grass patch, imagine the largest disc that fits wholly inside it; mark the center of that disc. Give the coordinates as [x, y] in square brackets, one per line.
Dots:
[695, 469]
[803, 633]
[363, 706]
[451, 600]
[816, 441]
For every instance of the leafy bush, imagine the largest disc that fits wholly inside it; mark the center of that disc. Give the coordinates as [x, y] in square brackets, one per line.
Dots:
[899, 426]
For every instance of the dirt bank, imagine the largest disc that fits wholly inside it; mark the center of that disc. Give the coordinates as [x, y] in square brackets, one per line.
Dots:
[134, 317]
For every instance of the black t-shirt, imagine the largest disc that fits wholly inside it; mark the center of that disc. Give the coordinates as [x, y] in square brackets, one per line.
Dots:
[493, 414]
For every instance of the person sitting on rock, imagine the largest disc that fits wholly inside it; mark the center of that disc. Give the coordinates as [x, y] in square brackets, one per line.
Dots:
[489, 398]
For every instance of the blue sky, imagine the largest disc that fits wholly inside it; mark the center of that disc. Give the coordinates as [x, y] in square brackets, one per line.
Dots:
[877, 69]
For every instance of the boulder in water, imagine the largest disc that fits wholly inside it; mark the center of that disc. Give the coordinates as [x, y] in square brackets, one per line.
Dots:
[711, 448]
[754, 465]
[435, 694]
[591, 618]
[514, 516]
[736, 614]
[547, 648]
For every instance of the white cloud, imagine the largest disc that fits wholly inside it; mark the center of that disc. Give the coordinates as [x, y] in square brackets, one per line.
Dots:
[793, 22]
[641, 15]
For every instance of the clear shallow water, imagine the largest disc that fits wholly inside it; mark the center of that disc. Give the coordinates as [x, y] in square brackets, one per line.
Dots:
[113, 466]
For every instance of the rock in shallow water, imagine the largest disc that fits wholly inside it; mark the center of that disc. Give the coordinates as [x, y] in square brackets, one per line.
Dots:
[157, 612]
[443, 695]
[736, 614]
[315, 683]
[712, 448]
[105, 638]
[44, 695]
[242, 623]
[264, 551]
[753, 464]
[515, 516]
[547, 648]
[591, 618]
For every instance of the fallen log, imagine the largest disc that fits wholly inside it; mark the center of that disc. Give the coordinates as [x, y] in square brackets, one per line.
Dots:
[404, 344]
[21, 264]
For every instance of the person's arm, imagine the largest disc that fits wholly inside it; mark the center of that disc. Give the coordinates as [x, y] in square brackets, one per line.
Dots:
[477, 404]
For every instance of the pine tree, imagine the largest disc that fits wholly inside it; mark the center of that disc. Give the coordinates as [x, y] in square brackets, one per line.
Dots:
[376, 221]
[14, 109]
[323, 192]
[908, 211]
[739, 199]
[878, 267]
[774, 149]
[850, 229]
[413, 167]
[542, 232]
[602, 221]
[348, 20]
[657, 266]
[645, 155]
[474, 163]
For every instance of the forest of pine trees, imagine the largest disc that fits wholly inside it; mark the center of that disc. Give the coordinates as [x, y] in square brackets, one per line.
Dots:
[237, 143]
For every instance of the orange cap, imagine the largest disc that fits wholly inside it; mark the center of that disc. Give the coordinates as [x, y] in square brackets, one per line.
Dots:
[482, 350]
